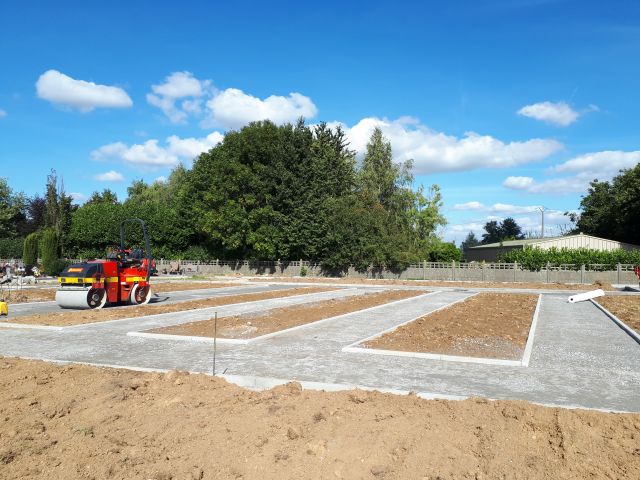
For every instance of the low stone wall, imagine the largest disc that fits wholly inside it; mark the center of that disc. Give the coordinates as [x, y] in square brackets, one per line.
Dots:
[490, 272]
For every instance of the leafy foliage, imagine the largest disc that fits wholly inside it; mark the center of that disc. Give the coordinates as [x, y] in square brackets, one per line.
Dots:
[612, 209]
[536, 258]
[30, 251]
[11, 247]
[49, 251]
[496, 232]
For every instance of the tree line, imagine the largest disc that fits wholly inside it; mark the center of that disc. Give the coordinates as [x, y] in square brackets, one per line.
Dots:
[266, 192]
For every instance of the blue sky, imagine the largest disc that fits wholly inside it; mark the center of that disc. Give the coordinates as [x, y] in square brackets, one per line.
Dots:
[507, 105]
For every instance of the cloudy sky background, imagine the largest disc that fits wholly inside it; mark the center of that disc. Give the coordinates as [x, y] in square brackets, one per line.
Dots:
[507, 105]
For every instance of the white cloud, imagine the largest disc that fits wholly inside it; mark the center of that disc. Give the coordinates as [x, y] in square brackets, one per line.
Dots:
[559, 113]
[603, 164]
[232, 108]
[518, 183]
[3, 113]
[438, 152]
[599, 165]
[78, 197]
[152, 155]
[84, 96]
[110, 176]
[496, 208]
[179, 85]
[469, 206]
[160, 179]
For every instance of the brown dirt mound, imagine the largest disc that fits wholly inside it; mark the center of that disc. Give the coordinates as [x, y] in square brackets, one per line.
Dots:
[24, 295]
[490, 325]
[77, 317]
[88, 423]
[249, 326]
[626, 308]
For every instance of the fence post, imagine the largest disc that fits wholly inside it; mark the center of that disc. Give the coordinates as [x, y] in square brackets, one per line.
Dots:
[515, 270]
[582, 269]
[484, 265]
[547, 272]
[619, 268]
[424, 270]
[453, 269]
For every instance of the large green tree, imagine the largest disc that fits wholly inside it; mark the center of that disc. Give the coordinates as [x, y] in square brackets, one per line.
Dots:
[612, 209]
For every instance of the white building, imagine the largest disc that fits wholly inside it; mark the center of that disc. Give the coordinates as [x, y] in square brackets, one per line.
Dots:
[491, 251]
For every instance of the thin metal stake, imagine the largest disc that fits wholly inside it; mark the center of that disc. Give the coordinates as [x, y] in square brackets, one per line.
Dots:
[215, 335]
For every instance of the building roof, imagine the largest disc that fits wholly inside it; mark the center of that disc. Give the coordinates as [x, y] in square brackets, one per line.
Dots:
[536, 241]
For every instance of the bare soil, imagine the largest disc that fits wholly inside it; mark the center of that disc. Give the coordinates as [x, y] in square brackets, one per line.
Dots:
[24, 295]
[163, 287]
[81, 422]
[626, 308]
[434, 283]
[254, 325]
[489, 325]
[77, 317]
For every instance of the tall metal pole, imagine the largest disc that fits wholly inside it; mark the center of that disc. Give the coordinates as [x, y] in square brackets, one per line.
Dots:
[542, 226]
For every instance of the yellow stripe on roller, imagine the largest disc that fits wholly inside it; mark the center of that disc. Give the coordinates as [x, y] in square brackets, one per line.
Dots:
[135, 279]
[79, 280]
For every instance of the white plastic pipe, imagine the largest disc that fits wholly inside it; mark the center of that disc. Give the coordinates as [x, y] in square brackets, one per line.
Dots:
[581, 297]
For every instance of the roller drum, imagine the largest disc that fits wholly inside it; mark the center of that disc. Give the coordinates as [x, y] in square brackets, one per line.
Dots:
[80, 299]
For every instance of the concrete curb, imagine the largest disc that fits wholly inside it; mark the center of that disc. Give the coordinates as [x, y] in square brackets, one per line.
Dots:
[30, 327]
[627, 329]
[528, 348]
[242, 341]
[524, 362]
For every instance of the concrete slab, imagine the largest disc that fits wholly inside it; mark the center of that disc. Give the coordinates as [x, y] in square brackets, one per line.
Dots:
[579, 358]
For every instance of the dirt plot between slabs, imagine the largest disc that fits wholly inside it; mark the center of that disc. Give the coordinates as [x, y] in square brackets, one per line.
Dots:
[487, 325]
[78, 317]
[87, 422]
[262, 323]
[436, 283]
[625, 308]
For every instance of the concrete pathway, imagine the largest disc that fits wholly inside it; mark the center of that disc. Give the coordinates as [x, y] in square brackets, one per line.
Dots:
[580, 357]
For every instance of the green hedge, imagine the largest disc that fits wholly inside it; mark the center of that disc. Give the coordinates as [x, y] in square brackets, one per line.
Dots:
[535, 258]
[30, 250]
[11, 247]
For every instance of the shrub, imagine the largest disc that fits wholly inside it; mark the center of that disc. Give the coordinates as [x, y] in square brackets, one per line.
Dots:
[11, 247]
[303, 271]
[49, 250]
[30, 249]
[535, 258]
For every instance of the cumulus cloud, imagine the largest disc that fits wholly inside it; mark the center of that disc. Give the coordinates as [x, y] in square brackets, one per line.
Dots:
[434, 151]
[179, 96]
[182, 96]
[232, 108]
[585, 168]
[518, 183]
[602, 164]
[3, 113]
[58, 88]
[469, 206]
[110, 176]
[559, 114]
[151, 154]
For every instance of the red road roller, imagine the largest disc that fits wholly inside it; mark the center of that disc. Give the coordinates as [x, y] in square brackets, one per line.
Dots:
[123, 277]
